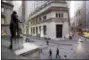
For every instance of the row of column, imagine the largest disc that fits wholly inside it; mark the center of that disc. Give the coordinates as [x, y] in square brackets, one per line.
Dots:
[36, 30]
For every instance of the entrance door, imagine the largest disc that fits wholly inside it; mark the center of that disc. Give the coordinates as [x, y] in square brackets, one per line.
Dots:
[58, 31]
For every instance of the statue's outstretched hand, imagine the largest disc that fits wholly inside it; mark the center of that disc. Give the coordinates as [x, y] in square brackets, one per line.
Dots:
[20, 21]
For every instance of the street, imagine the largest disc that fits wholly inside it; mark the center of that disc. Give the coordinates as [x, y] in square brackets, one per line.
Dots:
[72, 48]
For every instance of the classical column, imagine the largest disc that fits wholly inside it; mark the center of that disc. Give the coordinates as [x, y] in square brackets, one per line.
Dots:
[23, 16]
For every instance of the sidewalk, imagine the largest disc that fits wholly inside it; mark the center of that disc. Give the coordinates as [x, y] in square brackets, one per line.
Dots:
[10, 54]
[66, 47]
[7, 53]
[63, 42]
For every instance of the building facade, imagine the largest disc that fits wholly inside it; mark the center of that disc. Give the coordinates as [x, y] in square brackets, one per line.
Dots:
[87, 16]
[81, 17]
[6, 10]
[51, 20]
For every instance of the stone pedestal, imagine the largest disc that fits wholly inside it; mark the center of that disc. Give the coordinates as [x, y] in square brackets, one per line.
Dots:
[17, 43]
[29, 50]
[35, 53]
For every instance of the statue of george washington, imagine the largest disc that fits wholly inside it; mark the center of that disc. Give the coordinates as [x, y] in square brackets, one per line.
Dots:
[14, 27]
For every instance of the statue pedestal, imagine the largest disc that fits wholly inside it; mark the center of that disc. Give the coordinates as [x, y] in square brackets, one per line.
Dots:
[29, 50]
[17, 43]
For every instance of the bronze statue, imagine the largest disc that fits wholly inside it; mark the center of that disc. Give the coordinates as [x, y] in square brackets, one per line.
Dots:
[14, 27]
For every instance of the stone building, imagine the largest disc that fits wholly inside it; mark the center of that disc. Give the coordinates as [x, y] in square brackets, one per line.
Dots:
[50, 20]
[82, 20]
[87, 16]
[6, 10]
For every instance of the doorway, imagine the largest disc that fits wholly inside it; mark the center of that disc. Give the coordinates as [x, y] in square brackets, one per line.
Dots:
[58, 31]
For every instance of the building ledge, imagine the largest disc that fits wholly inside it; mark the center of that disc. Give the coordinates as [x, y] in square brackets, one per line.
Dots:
[45, 5]
[4, 24]
[48, 7]
[52, 20]
[7, 4]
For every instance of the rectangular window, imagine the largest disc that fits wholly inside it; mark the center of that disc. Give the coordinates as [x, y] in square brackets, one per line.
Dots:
[2, 9]
[56, 15]
[33, 30]
[36, 30]
[3, 32]
[44, 18]
[44, 29]
[39, 19]
[31, 22]
[40, 28]
[62, 15]
[34, 21]
[3, 21]
[59, 15]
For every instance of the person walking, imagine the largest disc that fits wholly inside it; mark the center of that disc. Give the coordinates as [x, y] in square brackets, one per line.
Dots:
[57, 53]
[50, 52]
[65, 56]
[47, 42]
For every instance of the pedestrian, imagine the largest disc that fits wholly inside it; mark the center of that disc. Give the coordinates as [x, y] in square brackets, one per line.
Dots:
[41, 50]
[57, 53]
[65, 56]
[27, 39]
[47, 42]
[50, 52]
[64, 37]
[70, 37]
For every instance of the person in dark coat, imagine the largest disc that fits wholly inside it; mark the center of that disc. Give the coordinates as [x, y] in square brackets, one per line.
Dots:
[50, 52]
[65, 56]
[47, 42]
[57, 53]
